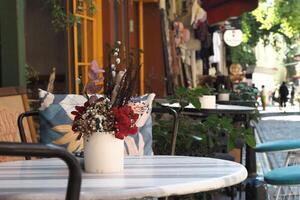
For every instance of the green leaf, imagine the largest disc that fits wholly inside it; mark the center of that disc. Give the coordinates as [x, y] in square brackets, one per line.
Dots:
[195, 102]
[231, 145]
[250, 140]
[181, 91]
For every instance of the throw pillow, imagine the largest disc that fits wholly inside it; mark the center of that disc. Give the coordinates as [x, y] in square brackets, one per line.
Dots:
[56, 119]
[56, 123]
[141, 143]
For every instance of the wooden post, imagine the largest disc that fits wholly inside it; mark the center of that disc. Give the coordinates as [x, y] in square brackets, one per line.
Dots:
[141, 46]
[12, 66]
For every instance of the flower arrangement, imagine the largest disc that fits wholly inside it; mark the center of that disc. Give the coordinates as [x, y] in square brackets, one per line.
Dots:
[113, 111]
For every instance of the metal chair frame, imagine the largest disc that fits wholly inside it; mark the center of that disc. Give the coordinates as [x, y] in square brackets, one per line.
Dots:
[292, 158]
[286, 191]
[48, 151]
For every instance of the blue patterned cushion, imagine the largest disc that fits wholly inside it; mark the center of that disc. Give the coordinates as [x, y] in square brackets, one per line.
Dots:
[56, 124]
[56, 119]
[134, 143]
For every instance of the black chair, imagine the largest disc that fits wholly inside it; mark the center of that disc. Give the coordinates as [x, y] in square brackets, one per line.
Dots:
[162, 110]
[48, 151]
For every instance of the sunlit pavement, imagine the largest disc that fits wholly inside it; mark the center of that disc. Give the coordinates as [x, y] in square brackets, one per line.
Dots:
[276, 110]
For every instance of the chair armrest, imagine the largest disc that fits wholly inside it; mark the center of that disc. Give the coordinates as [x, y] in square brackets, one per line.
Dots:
[279, 145]
[21, 149]
[20, 123]
[175, 124]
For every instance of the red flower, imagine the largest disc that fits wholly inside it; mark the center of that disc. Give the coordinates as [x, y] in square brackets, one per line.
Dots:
[80, 110]
[125, 120]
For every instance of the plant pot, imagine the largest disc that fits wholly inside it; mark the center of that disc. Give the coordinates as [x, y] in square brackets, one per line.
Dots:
[223, 96]
[103, 153]
[236, 153]
[208, 101]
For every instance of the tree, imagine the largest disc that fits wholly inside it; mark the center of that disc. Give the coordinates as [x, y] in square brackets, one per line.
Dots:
[277, 23]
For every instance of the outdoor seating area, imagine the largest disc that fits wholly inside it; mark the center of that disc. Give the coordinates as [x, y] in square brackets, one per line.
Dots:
[149, 100]
[191, 184]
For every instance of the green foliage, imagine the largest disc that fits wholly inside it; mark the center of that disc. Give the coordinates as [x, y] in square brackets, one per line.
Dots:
[242, 54]
[287, 12]
[60, 20]
[184, 96]
[196, 138]
[251, 32]
[215, 127]
[277, 23]
[278, 17]
[244, 92]
[91, 7]
[255, 116]
[190, 140]
[32, 75]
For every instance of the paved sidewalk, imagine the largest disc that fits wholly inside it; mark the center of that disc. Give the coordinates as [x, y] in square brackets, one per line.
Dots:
[276, 124]
[276, 110]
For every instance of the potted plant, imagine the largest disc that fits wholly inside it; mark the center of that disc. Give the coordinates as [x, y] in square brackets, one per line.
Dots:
[246, 95]
[207, 98]
[223, 94]
[190, 141]
[105, 120]
[223, 135]
[202, 97]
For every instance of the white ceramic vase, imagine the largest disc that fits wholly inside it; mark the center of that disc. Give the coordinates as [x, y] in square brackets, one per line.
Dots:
[223, 96]
[208, 101]
[103, 153]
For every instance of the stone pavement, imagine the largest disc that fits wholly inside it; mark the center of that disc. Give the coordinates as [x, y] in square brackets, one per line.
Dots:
[276, 111]
[276, 124]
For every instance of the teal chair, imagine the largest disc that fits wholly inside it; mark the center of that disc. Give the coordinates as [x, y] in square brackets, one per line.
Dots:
[289, 174]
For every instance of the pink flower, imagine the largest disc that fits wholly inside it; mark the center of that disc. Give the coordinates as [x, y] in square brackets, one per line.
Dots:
[95, 83]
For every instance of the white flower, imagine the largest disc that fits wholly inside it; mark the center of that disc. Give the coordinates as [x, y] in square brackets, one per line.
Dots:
[118, 60]
[113, 66]
[101, 119]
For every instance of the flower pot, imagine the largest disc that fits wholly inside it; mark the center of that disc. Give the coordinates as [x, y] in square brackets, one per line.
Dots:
[103, 153]
[208, 101]
[223, 96]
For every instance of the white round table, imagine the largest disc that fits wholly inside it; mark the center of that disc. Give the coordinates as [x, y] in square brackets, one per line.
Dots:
[143, 176]
[219, 109]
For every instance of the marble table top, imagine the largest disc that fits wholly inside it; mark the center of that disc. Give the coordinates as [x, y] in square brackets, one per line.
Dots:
[143, 176]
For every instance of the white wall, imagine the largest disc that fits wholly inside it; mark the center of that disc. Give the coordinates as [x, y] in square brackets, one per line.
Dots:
[269, 70]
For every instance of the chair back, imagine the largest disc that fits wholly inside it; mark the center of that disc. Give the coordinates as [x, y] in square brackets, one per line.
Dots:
[13, 102]
[175, 124]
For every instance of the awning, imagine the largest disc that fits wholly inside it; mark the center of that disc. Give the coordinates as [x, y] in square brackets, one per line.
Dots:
[220, 10]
